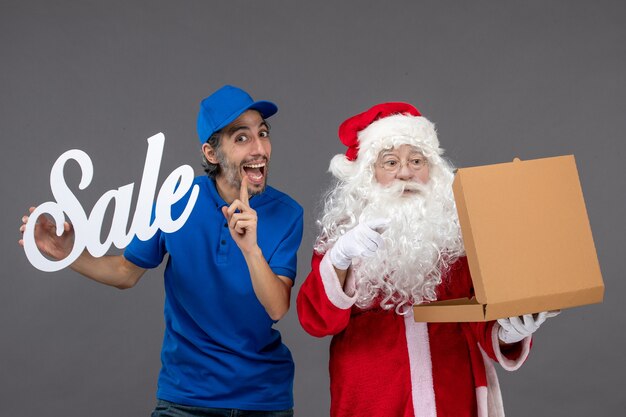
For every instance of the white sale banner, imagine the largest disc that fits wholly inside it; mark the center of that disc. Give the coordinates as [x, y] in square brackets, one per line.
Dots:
[87, 228]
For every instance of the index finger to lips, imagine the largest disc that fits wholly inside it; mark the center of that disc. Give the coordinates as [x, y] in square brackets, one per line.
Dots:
[243, 191]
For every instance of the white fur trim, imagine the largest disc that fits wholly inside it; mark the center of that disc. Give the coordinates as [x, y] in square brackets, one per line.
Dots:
[482, 401]
[399, 129]
[506, 363]
[334, 292]
[491, 401]
[418, 345]
[349, 287]
[388, 132]
[341, 167]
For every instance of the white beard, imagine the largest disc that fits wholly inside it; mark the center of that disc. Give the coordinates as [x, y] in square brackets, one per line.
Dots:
[422, 240]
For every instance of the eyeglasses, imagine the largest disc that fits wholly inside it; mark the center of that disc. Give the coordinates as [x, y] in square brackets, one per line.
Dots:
[393, 165]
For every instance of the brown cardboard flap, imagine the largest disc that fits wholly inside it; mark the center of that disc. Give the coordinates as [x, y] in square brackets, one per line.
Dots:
[470, 310]
[450, 311]
[527, 237]
[546, 302]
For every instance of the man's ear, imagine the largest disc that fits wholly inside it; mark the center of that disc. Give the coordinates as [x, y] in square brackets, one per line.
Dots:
[209, 153]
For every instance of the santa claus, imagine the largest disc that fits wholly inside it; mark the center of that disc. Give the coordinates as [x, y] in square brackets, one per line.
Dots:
[390, 238]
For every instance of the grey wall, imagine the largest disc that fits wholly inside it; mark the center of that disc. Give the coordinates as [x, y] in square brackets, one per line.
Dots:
[500, 78]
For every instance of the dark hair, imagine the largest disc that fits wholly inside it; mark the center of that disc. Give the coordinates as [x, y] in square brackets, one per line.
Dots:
[212, 170]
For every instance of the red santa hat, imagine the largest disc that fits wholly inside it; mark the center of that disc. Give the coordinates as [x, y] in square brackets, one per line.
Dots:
[383, 126]
[349, 130]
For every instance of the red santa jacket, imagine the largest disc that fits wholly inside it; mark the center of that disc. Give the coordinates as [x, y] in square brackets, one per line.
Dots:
[386, 365]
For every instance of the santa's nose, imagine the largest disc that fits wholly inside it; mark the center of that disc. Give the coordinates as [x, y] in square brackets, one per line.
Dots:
[404, 173]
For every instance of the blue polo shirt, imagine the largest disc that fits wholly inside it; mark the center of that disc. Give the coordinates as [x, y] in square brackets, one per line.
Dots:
[219, 348]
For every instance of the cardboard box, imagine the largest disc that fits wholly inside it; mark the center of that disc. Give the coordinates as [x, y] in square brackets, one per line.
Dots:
[528, 242]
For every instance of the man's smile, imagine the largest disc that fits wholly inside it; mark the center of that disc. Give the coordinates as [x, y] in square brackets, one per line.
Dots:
[255, 171]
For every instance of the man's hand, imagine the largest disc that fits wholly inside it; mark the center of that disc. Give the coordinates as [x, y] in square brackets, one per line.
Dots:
[242, 220]
[115, 271]
[514, 329]
[361, 242]
[48, 243]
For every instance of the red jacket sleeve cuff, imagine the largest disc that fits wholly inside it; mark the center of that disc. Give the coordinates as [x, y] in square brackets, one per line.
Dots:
[333, 290]
[513, 356]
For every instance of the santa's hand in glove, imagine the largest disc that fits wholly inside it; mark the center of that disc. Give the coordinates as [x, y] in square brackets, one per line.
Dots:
[514, 329]
[360, 242]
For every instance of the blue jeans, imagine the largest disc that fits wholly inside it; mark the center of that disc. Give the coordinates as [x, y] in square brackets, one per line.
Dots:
[168, 409]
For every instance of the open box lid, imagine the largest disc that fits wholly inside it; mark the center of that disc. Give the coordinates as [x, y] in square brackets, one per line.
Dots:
[527, 239]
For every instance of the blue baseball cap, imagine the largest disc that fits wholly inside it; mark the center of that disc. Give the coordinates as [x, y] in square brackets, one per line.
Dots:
[225, 105]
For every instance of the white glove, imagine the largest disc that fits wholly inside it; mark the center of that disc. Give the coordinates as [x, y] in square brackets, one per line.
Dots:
[514, 329]
[360, 242]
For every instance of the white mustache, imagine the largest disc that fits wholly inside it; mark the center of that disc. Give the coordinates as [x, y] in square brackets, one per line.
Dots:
[398, 188]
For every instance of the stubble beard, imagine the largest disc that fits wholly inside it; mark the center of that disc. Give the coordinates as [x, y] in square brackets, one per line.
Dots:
[232, 172]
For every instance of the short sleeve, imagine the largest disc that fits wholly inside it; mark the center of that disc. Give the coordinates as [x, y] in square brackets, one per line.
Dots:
[146, 254]
[284, 259]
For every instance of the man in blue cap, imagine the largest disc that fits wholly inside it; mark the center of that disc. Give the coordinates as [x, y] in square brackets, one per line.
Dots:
[229, 274]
